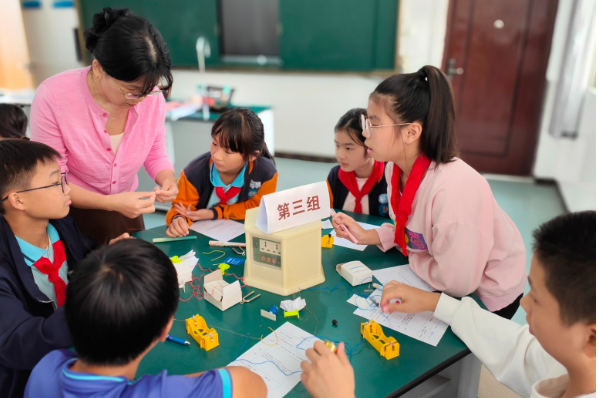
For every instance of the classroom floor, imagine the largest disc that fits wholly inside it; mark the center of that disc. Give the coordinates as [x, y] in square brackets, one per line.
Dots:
[527, 203]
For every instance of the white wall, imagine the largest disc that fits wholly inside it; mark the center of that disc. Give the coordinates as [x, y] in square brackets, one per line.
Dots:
[571, 162]
[306, 106]
[422, 29]
[51, 39]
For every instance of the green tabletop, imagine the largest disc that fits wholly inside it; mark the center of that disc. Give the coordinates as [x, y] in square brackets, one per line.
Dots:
[198, 116]
[375, 376]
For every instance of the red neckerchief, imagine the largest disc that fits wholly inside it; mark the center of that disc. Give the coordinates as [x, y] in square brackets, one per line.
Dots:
[46, 267]
[401, 204]
[350, 181]
[226, 196]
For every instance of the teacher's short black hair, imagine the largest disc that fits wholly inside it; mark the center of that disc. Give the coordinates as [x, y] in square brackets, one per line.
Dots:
[128, 47]
[18, 162]
[565, 248]
[118, 301]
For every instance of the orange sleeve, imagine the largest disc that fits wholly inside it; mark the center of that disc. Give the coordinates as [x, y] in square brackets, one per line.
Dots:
[187, 195]
[237, 211]
[330, 193]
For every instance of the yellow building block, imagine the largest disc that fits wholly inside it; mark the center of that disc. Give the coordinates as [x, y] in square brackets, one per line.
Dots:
[198, 329]
[388, 347]
[327, 241]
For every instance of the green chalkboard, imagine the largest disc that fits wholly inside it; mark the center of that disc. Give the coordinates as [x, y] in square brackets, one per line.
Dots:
[338, 34]
[180, 23]
[343, 35]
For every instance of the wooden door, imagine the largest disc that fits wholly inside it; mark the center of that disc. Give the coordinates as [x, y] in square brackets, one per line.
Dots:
[496, 53]
[14, 55]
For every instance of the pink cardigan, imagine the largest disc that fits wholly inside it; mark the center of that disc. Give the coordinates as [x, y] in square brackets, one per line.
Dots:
[460, 240]
[65, 116]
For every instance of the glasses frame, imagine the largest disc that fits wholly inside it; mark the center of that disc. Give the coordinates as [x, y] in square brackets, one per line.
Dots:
[131, 96]
[366, 125]
[63, 182]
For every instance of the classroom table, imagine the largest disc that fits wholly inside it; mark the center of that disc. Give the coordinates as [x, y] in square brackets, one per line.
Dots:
[448, 370]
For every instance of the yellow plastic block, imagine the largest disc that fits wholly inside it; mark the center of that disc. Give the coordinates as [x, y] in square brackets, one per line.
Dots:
[176, 260]
[388, 347]
[223, 267]
[327, 241]
[198, 329]
[291, 313]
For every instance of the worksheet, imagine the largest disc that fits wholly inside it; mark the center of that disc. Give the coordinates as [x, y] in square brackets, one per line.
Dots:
[222, 230]
[277, 358]
[347, 243]
[423, 326]
[403, 274]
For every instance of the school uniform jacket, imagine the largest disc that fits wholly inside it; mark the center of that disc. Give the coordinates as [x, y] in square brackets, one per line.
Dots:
[195, 188]
[29, 326]
[509, 351]
[377, 197]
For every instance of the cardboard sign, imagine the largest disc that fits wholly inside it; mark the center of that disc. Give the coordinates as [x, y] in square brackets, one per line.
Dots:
[297, 206]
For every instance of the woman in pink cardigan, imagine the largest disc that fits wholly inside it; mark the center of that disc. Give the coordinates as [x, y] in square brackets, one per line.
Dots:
[106, 121]
[447, 222]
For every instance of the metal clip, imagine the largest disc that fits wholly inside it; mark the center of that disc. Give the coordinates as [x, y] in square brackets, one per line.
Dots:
[246, 300]
[240, 251]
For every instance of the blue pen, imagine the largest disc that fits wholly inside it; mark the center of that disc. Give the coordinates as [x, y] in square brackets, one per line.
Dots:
[177, 340]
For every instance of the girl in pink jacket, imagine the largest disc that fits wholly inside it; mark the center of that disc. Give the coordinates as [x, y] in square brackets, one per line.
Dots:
[447, 222]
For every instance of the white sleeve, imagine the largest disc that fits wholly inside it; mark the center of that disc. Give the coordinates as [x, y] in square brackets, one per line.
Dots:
[509, 351]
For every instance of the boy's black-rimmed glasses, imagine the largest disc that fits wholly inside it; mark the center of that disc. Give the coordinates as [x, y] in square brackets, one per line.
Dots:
[63, 182]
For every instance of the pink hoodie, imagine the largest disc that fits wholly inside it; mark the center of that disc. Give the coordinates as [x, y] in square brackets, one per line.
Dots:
[459, 240]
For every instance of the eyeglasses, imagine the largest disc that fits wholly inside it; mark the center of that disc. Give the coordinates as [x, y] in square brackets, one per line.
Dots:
[131, 96]
[63, 183]
[366, 125]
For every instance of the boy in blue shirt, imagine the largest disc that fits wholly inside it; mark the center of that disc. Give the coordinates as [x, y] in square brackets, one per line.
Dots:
[120, 303]
[38, 248]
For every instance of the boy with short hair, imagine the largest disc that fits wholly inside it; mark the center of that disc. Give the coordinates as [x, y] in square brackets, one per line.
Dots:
[120, 303]
[38, 248]
[555, 356]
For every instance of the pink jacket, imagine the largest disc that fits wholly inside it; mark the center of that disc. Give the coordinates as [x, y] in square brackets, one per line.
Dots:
[65, 116]
[459, 240]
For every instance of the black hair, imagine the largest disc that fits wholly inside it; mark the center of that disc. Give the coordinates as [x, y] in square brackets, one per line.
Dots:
[565, 248]
[18, 162]
[350, 122]
[241, 131]
[425, 96]
[13, 121]
[119, 300]
[128, 47]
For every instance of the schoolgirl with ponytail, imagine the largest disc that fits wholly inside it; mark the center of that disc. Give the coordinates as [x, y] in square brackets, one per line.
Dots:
[447, 221]
[238, 169]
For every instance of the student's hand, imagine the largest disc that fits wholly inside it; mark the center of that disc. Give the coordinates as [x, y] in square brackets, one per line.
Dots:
[194, 215]
[364, 237]
[133, 204]
[121, 237]
[412, 299]
[178, 227]
[168, 192]
[328, 374]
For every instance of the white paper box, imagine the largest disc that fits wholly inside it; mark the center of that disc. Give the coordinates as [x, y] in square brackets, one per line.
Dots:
[355, 272]
[219, 292]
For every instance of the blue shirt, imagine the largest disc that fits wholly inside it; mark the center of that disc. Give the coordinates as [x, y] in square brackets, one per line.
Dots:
[33, 253]
[217, 182]
[53, 378]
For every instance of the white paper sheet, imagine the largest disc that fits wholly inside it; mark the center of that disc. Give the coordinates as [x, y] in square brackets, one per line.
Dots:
[350, 245]
[222, 230]
[423, 326]
[293, 305]
[327, 224]
[278, 364]
[403, 274]
[359, 301]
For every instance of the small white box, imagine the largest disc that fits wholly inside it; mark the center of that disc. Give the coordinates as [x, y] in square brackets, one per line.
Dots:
[355, 272]
[219, 292]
